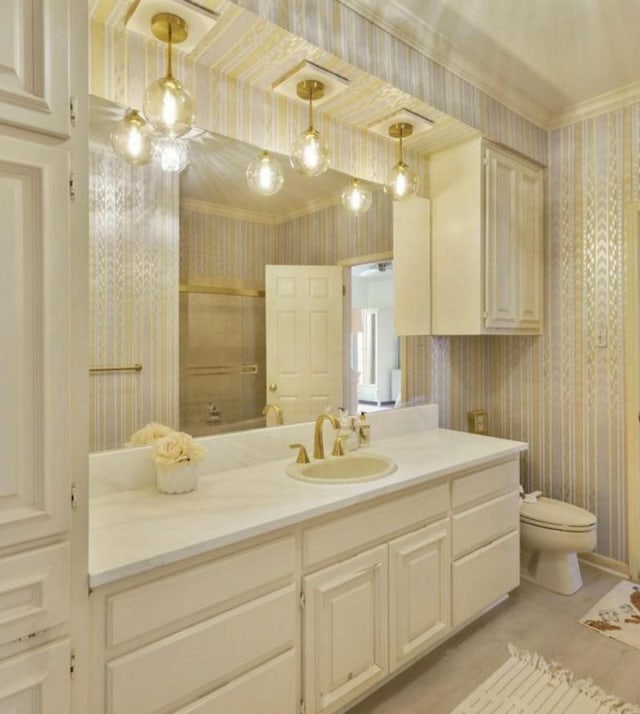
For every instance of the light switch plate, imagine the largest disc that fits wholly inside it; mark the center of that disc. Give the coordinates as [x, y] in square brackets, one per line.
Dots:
[478, 421]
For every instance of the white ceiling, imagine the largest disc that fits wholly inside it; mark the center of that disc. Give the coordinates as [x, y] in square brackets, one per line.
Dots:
[545, 59]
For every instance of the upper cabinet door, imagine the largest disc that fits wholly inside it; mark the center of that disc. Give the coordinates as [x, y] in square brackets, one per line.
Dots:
[34, 341]
[34, 65]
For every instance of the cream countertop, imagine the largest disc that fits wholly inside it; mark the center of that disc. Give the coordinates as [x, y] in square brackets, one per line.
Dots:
[137, 530]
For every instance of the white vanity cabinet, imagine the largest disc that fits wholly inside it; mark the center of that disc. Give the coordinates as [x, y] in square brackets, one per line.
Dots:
[369, 614]
[487, 241]
[212, 639]
[485, 542]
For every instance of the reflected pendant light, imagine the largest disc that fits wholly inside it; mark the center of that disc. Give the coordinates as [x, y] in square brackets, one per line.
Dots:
[172, 154]
[132, 139]
[356, 197]
[310, 152]
[402, 182]
[264, 174]
[168, 107]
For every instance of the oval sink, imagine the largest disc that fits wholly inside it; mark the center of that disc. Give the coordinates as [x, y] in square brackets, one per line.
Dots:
[344, 469]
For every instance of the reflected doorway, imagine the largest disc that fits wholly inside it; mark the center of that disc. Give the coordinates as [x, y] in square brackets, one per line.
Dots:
[374, 350]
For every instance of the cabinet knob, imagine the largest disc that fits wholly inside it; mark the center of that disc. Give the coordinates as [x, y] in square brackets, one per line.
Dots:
[272, 387]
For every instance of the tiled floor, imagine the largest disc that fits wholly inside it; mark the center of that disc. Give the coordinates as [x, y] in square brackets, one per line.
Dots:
[532, 619]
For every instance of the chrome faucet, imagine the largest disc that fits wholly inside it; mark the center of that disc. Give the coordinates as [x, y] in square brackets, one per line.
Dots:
[276, 410]
[318, 442]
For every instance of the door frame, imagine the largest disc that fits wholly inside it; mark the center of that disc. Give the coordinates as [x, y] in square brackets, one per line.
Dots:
[632, 382]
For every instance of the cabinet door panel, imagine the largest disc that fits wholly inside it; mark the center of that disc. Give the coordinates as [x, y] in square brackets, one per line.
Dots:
[345, 630]
[530, 248]
[37, 682]
[419, 593]
[34, 591]
[34, 56]
[483, 576]
[34, 380]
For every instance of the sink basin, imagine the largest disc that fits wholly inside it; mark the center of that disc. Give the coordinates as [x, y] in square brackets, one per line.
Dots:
[344, 469]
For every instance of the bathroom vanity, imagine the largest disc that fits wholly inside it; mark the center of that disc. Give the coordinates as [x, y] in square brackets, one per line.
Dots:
[259, 589]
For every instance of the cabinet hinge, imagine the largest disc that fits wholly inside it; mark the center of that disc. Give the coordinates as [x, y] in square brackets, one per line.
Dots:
[302, 600]
[73, 110]
[72, 184]
[344, 290]
[303, 707]
[72, 664]
[74, 497]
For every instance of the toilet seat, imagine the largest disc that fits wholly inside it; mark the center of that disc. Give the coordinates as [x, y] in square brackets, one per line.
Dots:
[557, 515]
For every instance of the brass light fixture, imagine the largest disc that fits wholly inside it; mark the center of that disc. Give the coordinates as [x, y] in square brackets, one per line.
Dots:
[310, 152]
[168, 107]
[402, 182]
[264, 174]
[132, 139]
[356, 197]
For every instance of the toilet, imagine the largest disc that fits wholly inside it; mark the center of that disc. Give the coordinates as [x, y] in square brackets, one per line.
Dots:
[552, 533]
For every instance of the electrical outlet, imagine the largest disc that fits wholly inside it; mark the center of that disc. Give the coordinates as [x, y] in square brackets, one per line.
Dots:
[478, 421]
[601, 337]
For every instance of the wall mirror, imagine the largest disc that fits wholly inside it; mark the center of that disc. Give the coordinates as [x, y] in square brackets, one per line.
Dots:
[178, 327]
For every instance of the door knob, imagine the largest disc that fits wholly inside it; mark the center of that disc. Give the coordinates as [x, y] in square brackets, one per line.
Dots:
[273, 387]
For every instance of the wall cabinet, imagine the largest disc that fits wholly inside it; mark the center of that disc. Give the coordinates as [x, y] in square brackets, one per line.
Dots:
[487, 241]
[319, 615]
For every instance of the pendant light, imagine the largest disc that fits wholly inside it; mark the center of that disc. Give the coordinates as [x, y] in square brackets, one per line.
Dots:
[356, 197]
[172, 154]
[310, 152]
[168, 107]
[402, 182]
[264, 174]
[132, 139]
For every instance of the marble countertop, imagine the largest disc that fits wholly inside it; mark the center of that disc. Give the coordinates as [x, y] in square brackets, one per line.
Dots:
[137, 530]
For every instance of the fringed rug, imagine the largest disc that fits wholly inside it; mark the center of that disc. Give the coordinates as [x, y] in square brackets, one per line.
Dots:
[617, 614]
[527, 684]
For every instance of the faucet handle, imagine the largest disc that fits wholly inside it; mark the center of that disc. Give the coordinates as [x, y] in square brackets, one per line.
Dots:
[303, 457]
[338, 449]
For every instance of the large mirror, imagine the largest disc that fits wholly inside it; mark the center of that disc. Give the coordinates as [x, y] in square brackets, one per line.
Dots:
[178, 323]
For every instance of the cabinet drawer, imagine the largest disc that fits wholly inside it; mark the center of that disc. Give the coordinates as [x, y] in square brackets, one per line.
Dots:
[37, 682]
[273, 685]
[483, 576]
[218, 649]
[485, 522]
[482, 484]
[34, 591]
[348, 533]
[144, 609]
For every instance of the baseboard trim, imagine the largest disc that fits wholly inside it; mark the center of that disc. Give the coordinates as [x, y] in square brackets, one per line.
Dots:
[602, 562]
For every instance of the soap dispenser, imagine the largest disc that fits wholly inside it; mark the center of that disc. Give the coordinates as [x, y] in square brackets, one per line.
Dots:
[364, 430]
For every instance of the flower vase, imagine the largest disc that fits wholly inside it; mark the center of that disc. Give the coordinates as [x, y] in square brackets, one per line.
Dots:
[177, 478]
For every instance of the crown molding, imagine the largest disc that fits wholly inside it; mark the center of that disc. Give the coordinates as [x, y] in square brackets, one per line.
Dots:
[603, 103]
[438, 49]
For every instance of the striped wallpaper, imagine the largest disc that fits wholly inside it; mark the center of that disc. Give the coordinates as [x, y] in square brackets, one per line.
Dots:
[560, 392]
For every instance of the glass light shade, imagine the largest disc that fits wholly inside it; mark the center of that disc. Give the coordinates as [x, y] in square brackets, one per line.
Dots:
[402, 182]
[310, 153]
[356, 198]
[168, 107]
[132, 139]
[172, 154]
[264, 174]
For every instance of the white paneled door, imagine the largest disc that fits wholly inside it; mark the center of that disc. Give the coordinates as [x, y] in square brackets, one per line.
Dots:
[304, 339]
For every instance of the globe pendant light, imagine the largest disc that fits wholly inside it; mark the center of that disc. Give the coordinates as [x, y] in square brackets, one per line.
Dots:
[168, 107]
[310, 152]
[132, 139]
[356, 197]
[402, 182]
[172, 154]
[264, 174]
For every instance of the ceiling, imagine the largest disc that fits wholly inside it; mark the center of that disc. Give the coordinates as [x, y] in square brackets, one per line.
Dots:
[546, 59]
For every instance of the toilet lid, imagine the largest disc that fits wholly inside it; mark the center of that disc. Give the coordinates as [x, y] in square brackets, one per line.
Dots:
[550, 513]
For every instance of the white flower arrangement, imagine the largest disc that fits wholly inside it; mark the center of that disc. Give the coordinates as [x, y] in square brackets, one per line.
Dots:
[176, 448]
[149, 433]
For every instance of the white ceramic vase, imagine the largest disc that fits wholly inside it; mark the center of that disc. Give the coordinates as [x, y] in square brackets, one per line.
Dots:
[178, 478]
